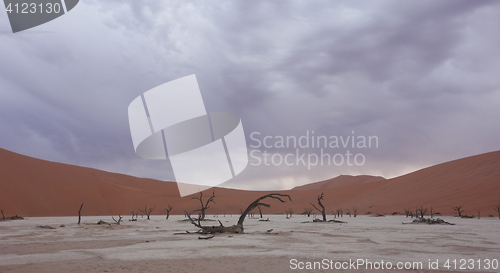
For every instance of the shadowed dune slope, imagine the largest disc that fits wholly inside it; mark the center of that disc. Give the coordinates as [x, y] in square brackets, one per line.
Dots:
[34, 187]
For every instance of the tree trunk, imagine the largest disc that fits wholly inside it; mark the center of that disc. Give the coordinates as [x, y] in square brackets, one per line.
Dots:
[322, 210]
[238, 228]
[80, 213]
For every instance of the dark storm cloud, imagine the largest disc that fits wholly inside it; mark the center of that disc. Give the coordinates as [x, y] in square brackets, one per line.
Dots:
[420, 75]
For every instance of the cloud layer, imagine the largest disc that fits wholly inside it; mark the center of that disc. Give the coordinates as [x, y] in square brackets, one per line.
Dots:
[422, 76]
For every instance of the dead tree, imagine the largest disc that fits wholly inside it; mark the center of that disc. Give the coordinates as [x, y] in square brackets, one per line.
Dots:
[497, 209]
[119, 219]
[289, 212]
[260, 211]
[459, 210]
[348, 212]
[257, 203]
[147, 211]
[3, 216]
[307, 211]
[355, 211]
[168, 209]
[79, 213]
[422, 211]
[322, 210]
[204, 206]
[238, 228]
[409, 212]
[432, 212]
[133, 215]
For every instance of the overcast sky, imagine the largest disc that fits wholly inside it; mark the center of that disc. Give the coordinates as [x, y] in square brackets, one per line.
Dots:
[422, 76]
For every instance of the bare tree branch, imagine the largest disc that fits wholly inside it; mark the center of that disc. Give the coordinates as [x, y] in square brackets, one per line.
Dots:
[168, 209]
[119, 219]
[307, 211]
[497, 209]
[147, 211]
[260, 210]
[422, 211]
[204, 206]
[322, 210]
[134, 215]
[255, 203]
[459, 210]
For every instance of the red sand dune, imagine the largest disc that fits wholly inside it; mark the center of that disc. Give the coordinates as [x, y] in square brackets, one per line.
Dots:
[34, 187]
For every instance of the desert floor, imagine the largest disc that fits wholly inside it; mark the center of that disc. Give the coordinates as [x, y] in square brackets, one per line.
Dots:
[151, 246]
